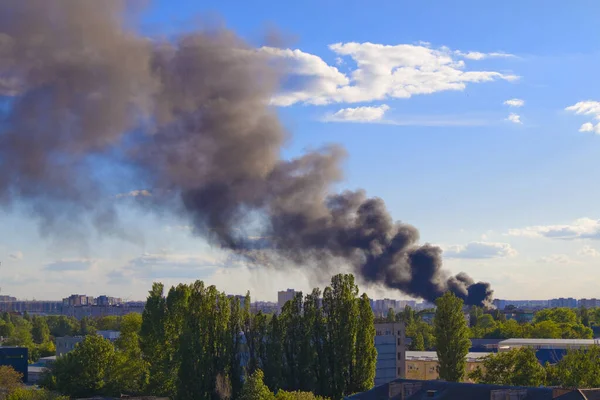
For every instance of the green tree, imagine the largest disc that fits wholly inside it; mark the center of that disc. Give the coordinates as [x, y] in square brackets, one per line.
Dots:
[87, 326]
[366, 354]
[577, 369]
[274, 359]
[61, 325]
[153, 342]
[86, 371]
[34, 394]
[391, 315]
[452, 337]
[255, 388]
[546, 329]
[341, 310]
[40, 331]
[131, 370]
[557, 315]
[7, 329]
[108, 323]
[517, 367]
[418, 343]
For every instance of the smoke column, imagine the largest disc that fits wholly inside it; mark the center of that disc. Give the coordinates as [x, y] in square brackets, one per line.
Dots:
[189, 118]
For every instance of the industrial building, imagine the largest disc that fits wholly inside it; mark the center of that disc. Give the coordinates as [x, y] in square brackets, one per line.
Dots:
[548, 350]
[391, 351]
[17, 358]
[423, 365]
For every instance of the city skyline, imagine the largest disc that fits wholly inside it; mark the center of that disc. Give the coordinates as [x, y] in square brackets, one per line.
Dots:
[491, 158]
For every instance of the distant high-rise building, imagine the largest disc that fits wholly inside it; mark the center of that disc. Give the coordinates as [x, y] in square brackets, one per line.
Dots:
[563, 302]
[589, 303]
[284, 296]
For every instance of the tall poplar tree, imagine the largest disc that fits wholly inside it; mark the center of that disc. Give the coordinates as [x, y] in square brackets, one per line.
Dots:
[153, 340]
[451, 337]
[366, 353]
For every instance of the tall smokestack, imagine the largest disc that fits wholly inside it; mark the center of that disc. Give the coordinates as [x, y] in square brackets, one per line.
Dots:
[190, 118]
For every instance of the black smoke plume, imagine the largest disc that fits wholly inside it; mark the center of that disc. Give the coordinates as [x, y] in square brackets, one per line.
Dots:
[190, 118]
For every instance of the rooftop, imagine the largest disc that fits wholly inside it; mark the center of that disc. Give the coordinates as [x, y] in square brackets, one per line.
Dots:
[432, 356]
[559, 343]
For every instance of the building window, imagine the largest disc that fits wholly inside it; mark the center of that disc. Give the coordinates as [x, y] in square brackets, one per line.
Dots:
[399, 371]
[399, 341]
[399, 355]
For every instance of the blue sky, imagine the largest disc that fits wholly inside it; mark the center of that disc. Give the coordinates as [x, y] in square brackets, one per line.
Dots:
[509, 191]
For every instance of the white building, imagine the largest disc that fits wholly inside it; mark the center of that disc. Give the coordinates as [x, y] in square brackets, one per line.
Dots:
[391, 352]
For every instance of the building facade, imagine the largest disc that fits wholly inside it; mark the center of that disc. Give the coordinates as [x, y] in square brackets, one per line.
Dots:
[284, 296]
[589, 303]
[563, 302]
[390, 342]
[423, 365]
[17, 358]
[66, 344]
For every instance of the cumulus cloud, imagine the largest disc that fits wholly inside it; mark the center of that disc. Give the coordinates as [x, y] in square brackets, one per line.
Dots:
[588, 251]
[515, 103]
[17, 255]
[556, 259]
[514, 118]
[358, 114]
[480, 250]
[71, 264]
[588, 107]
[381, 72]
[582, 228]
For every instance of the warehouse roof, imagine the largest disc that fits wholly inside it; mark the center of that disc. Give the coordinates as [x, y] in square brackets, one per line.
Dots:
[549, 343]
[432, 356]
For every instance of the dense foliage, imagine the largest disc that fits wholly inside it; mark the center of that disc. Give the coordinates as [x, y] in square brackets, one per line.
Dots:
[519, 367]
[197, 342]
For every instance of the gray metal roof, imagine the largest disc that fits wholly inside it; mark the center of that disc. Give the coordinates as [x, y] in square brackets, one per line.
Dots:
[556, 343]
[432, 356]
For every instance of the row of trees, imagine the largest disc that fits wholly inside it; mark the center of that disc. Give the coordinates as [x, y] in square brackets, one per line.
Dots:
[557, 323]
[37, 333]
[12, 388]
[520, 367]
[196, 342]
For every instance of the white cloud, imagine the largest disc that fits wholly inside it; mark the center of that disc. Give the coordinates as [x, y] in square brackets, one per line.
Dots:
[557, 259]
[71, 264]
[480, 250]
[17, 255]
[476, 55]
[358, 114]
[381, 72]
[582, 228]
[588, 251]
[587, 107]
[515, 103]
[589, 127]
[514, 118]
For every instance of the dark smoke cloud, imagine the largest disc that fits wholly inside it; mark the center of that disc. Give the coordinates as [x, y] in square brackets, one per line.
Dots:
[189, 118]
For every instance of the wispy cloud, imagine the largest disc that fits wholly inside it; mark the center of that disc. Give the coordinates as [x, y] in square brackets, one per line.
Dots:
[16, 256]
[71, 264]
[135, 193]
[358, 114]
[476, 55]
[480, 250]
[588, 251]
[515, 103]
[582, 228]
[382, 72]
[557, 259]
